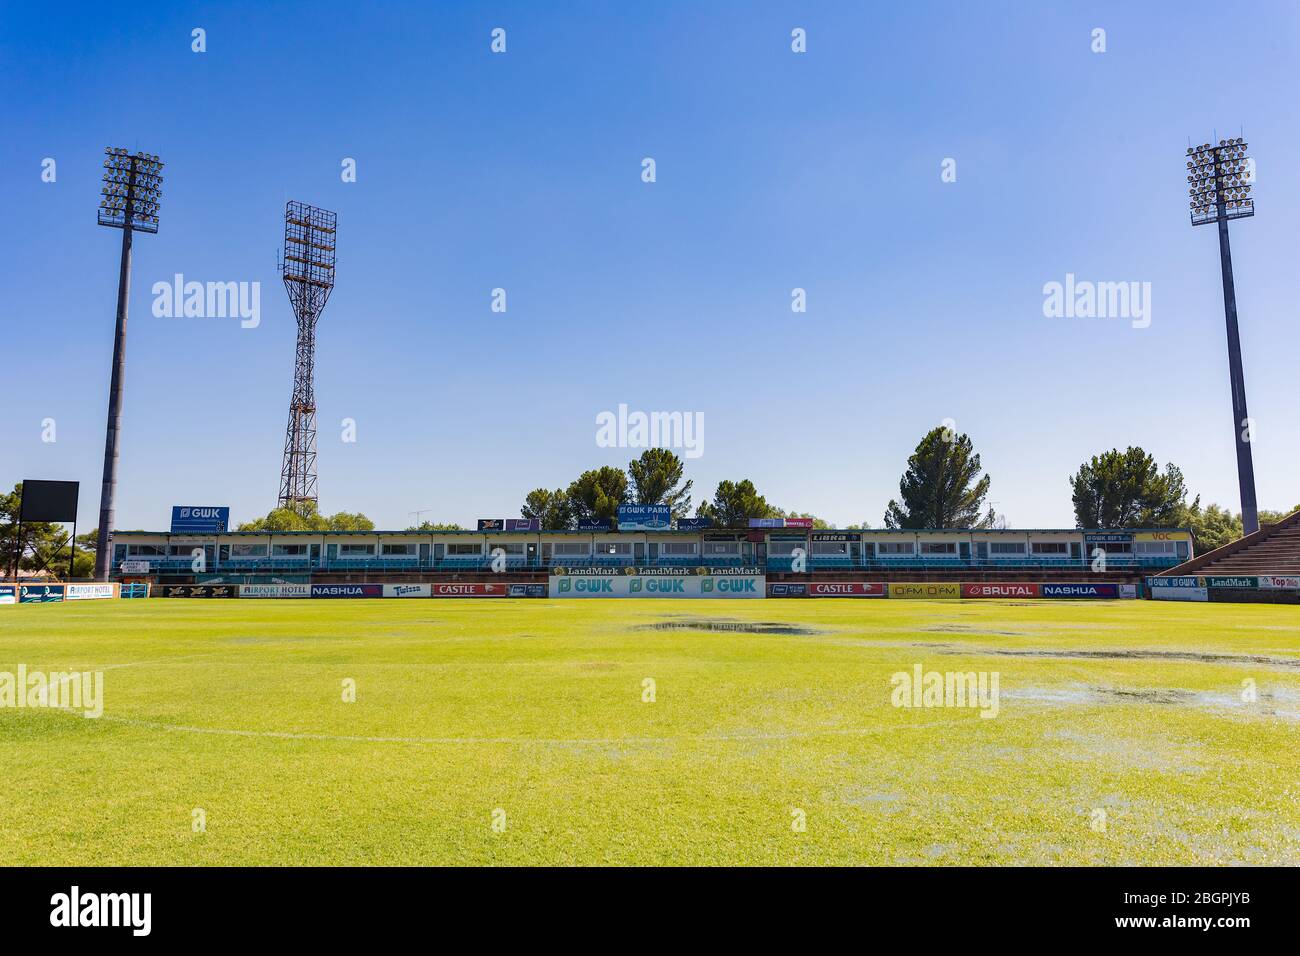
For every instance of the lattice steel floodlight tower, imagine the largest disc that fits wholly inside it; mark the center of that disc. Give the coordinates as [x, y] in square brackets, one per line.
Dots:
[131, 195]
[1220, 179]
[308, 268]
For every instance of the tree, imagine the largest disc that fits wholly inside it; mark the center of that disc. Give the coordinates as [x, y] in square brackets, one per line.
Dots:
[1126, 489]
[656, 479]
[597, 494]
[552, 508]
[286, 519]
[1213, 527]
[942, 487]
[435, 526]
[1273, 517]
[734, 504]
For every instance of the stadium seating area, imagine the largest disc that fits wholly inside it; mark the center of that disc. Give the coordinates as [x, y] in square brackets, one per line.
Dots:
[1273, 549]
[772, 564]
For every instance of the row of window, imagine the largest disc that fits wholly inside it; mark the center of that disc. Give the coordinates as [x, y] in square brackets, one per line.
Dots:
[671, 548]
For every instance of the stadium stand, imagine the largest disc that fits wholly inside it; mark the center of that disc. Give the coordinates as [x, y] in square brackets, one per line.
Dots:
[1273, 549]
[782, 554]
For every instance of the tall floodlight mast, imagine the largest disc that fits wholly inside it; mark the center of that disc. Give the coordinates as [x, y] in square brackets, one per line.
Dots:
[129, 201]
[308, 268]
[1219, 181]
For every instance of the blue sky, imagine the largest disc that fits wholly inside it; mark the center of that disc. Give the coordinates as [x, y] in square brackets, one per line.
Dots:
[522, 171]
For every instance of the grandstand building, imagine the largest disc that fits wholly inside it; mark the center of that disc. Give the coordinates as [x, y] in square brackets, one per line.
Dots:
[794, 554]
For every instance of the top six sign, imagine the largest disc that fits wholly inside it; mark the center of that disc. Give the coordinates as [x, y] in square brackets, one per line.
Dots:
[187, 519]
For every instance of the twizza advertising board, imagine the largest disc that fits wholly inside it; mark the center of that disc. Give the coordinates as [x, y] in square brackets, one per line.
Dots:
[846, 589]
[985, 590]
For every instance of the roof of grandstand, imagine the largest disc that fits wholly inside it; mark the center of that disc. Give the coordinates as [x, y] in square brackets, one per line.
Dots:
[499, 531]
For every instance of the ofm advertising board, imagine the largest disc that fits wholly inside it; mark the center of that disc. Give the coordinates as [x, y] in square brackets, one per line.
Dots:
[659, 585]
[926, 591]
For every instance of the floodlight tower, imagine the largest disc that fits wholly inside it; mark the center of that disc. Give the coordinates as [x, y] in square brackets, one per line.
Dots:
[1219, 180]
[308, 268]
[131, 195]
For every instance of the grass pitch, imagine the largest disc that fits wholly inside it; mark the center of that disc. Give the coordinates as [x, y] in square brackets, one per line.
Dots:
[1122, 735]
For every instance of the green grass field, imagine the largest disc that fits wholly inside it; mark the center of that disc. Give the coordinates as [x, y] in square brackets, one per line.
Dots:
[1128, 714]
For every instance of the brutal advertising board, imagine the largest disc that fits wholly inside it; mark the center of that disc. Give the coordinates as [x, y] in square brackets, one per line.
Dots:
[8, 594]
[1015, 590]
[659, 585]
